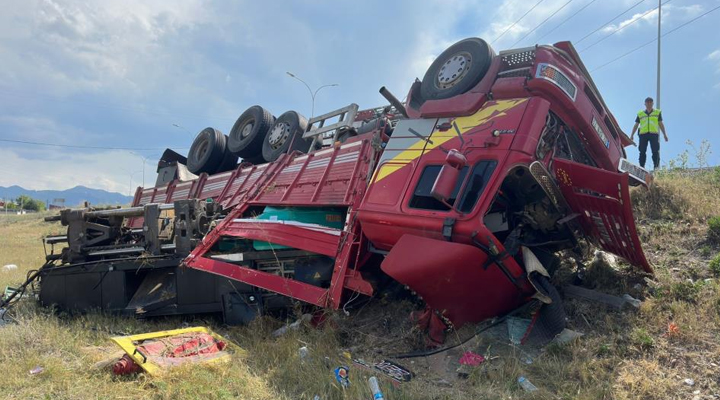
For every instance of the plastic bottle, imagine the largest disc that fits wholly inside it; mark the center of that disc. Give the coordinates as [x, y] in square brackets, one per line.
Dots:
[375, 388]
[526, 384]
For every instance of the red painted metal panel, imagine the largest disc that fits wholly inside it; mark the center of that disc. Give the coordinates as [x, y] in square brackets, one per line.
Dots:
[451, 279]
[310, 237]
[602, 199]
[288, 287]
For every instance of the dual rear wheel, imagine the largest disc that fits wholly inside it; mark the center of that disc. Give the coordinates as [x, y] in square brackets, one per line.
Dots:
[256, 137]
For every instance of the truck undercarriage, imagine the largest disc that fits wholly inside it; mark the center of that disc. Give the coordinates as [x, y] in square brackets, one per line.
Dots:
[462, 195]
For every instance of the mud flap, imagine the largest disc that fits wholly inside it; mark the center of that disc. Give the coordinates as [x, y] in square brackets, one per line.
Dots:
[451, 279]
[602, 199]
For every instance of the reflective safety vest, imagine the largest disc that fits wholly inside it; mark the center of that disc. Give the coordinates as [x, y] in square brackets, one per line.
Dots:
[649, 123]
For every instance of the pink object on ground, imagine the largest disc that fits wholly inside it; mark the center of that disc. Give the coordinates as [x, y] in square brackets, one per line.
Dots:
[472, 359]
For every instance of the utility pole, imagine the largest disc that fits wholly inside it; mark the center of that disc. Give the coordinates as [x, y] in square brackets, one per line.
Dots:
[657, 100]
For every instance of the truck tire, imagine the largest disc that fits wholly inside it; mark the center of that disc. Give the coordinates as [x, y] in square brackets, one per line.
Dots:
[206, 152]
[248, 133]
[285, 136]
[457, 70]
[229, 161]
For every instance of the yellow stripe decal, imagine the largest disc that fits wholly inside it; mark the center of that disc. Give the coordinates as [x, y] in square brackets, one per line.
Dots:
[437, 138]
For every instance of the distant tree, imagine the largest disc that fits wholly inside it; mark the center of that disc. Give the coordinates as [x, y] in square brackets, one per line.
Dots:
[28, 203]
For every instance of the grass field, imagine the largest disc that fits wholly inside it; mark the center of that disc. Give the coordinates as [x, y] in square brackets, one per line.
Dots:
[643, 354]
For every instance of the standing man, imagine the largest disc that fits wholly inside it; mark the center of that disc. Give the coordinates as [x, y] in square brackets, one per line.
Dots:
[650, 122]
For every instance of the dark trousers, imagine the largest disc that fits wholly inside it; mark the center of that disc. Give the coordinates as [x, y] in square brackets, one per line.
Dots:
[654, 140]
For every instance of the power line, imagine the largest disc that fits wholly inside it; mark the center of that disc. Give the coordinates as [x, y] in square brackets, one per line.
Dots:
[518, 20]
[624, 26]
[540, 24]
[652, 41]
[84, 147]
[605, 24]
[566, 20]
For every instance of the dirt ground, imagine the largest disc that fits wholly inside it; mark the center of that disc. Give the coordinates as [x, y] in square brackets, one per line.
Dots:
[666, 349]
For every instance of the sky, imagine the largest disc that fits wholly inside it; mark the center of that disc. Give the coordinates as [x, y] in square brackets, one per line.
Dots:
[129, 78]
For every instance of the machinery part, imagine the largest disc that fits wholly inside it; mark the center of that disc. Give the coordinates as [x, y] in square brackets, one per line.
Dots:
[247, 135]
[316, 271]
[394, 101]
[258, 159]
[206, 152]
[457, 70]
[285, 136]
[192, 222]
[229, 160]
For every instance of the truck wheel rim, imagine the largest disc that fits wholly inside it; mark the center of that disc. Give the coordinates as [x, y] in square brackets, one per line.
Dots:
[454, 70]
[246, 130]
[279, 135]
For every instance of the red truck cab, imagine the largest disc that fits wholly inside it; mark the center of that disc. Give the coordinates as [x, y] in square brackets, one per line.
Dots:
[540, 166]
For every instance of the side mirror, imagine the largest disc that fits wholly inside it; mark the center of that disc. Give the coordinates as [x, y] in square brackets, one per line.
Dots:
[447, 178]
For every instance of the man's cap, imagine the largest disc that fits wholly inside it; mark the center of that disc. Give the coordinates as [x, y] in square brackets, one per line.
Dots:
[648, 99]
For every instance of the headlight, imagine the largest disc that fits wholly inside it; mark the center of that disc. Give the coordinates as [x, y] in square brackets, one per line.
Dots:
[552, 74]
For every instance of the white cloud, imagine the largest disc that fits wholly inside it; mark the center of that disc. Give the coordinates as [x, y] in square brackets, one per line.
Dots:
[506, 14]
[671, 13]
[714, 57]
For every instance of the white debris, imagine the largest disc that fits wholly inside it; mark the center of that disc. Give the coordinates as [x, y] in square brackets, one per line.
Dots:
[294, 326]
[9, 267]
[604, 258]
[689, 382]
[567, 335]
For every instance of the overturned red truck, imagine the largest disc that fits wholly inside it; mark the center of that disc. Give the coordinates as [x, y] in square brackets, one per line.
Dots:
[462, 195]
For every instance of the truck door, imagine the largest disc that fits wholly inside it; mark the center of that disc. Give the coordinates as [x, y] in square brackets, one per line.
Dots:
[602, 200]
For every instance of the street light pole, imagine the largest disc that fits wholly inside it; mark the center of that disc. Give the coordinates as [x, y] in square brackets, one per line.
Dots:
[312, 94]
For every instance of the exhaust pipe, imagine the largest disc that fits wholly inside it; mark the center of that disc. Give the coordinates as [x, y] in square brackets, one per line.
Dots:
[393, 101]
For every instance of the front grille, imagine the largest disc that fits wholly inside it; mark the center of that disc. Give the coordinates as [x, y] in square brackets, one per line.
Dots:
[517, 59]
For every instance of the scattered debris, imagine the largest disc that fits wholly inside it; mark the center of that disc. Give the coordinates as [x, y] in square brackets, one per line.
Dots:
[526, 384]
[303, 352]
[292, 327]
[12, 291]
[593, 295]
[375, 388]
[37, 370]
[689, 382]
[443, 383]
[342, 374]
[517, 327]
[566, 336]
[156, 351]
[125, 366]
[672, 329]
[632, 301]
[605, 259]
[108, 361]
[9, 267]
[471, 359]
[394, 371]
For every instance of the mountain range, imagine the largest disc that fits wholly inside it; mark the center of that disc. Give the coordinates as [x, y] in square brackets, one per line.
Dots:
[73, 197]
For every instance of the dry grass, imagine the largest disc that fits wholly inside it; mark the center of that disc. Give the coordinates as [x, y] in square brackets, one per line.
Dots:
[623, 355]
